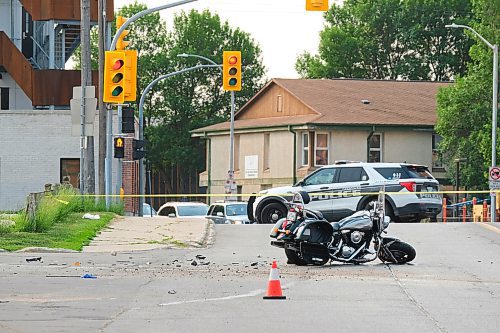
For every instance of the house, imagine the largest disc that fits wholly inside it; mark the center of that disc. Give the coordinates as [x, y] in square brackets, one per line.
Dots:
[293, 126]
[37, 37]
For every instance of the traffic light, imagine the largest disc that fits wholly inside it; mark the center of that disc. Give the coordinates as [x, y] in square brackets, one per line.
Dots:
[137, 151]
[130, 75]
[120, 43]
[231, 70]
[317, 5]
[114, 77]
[128, 120]
[119, 147]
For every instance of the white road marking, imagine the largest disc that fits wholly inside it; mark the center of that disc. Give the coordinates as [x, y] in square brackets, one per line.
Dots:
[250, 294]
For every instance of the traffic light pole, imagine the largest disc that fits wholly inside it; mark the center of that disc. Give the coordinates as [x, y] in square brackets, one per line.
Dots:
[142, 173]
[231, 148]
[141, 14]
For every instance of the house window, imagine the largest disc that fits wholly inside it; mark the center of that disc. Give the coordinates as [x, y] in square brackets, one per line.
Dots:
[4, 98]
[375, 152]
[279, 103]
[305, 148]
[267, 138]
[70, 171]
[436, 160]
[321, 149]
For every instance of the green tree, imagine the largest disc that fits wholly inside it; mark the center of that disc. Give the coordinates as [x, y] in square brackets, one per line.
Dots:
[390, 39]
[196, 99]
[465, 109]
[179, 104]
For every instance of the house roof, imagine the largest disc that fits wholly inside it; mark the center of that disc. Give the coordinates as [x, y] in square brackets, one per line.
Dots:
[350, 102]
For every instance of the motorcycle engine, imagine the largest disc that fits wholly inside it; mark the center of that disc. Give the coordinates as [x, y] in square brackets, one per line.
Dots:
[357, 236]
[347, 251]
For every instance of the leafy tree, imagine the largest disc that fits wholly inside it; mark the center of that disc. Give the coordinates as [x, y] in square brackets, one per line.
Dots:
[196, 99]
[181, 103]
[390, 39]
[464, 109]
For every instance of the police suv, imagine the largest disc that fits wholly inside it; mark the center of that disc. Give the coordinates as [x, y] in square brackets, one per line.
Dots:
[340, 190]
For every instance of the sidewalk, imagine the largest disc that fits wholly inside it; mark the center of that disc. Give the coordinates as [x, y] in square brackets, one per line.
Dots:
[131, 233]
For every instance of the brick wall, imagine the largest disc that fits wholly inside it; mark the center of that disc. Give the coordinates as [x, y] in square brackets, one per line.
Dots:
[31, 145]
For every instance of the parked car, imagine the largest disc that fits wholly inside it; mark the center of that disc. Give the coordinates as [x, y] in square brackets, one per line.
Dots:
[148, 211]
[348, 187]
[184, 209]
[231, 212]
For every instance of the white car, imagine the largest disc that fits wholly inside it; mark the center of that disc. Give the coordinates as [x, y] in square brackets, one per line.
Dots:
[184, 209]
[231, 212]
[348, 188]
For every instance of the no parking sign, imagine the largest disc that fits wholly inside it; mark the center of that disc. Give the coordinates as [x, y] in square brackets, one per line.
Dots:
[494, 177]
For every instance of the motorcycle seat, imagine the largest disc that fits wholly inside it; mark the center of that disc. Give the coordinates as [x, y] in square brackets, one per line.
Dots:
[335, 226]
[317, 213]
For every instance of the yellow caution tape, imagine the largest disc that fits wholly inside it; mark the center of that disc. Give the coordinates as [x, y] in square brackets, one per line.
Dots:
[345, 194]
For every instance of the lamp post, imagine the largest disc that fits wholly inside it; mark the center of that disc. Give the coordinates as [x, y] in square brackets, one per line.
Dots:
[494, 48]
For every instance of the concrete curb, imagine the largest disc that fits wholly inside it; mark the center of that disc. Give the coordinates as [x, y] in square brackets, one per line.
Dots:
[45, 250]
[207, 238]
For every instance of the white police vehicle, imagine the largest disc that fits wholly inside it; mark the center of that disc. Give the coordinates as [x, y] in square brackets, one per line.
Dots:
[348, 188]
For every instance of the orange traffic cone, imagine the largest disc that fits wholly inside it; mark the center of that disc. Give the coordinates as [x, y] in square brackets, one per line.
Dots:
[274, 284]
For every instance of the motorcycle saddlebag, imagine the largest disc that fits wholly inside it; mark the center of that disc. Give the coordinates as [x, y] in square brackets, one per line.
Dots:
[312, 253]
[315, 232]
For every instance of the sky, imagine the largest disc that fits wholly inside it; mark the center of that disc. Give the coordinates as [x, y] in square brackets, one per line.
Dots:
[282, 28]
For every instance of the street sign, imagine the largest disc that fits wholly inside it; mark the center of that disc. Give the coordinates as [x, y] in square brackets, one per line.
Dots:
[90, 110]
[494, 178]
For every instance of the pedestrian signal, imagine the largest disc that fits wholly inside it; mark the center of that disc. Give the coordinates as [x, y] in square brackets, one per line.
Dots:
[119, 147]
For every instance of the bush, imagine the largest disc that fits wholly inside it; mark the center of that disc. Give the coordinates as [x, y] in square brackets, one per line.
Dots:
[53, 208]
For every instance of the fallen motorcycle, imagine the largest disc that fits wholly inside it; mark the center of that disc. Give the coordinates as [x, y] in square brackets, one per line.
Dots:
[309, 239]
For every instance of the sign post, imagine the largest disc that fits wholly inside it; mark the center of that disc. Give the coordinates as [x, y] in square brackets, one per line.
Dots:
[494, 180]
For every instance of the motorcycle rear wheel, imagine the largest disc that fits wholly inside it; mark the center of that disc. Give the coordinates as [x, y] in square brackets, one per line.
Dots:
[402, 252]
[293, 258]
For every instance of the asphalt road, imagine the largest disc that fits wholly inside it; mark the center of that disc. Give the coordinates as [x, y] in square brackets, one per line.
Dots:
[453, 286]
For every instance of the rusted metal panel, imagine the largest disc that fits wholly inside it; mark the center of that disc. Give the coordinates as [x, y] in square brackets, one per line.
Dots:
[42, 10]
[43, 87]
[14, 62]
[55, 87]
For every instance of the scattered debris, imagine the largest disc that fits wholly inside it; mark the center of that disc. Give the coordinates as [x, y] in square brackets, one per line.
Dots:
[34, 259]
[113, 253]
[172, 292]
[89, 276]
[148, 263]
[77, 263]
[194, 263]
[178, 265]
[255, 263]
[91, 216]
[200, 256]
[205, 263]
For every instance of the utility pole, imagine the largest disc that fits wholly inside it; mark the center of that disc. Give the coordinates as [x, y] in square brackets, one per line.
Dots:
[102, 106]
[88, 168]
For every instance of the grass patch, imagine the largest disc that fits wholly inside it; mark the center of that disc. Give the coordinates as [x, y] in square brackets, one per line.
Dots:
[71, 232]
[54, 208]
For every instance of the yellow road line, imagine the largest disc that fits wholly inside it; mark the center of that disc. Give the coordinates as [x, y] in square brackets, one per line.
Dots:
[490, 227]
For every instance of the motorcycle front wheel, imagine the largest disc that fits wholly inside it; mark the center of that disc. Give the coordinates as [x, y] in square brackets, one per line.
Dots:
[402, 253]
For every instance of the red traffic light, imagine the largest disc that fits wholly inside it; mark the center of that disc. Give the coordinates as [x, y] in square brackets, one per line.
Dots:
[232, 60]
[118, 64]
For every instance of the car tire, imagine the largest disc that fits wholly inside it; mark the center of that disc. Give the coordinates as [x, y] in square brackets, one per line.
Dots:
[272, 212]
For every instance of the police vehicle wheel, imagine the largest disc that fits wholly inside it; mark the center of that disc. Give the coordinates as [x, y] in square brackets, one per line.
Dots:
[272, 212]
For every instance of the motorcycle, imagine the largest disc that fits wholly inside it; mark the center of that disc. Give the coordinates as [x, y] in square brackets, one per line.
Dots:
[309, 239]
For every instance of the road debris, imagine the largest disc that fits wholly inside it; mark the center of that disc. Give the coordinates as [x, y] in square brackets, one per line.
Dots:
[34, 259]
[200, 257]
[89, 276]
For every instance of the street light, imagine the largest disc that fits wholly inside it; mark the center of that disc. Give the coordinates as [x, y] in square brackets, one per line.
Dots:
[231, 127]
[494, 48]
